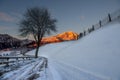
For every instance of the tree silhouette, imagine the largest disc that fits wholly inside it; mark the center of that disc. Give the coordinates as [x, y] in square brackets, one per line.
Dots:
[37, 22]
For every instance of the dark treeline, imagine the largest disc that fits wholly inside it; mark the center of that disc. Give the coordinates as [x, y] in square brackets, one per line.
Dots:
[7, 41]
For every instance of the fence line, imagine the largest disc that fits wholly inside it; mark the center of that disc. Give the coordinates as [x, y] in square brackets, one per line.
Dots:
[109, 18]
[5, 59]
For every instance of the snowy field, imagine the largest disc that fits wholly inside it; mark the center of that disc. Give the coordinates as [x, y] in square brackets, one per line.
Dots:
[94, 57]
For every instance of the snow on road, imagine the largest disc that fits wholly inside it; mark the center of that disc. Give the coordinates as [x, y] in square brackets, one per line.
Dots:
[26, 72]
[63, 71]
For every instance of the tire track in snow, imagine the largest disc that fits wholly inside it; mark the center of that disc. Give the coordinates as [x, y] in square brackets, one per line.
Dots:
[24, 72]
[70, 72]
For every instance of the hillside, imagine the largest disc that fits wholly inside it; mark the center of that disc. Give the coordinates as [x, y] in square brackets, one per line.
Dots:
[97, 54]
[93, 57]
[7, 41]
[7, 38]
[65, 36]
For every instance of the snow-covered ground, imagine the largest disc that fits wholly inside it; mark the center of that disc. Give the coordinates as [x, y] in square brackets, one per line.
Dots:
[93, 57]
[33, 70]
[97, 53]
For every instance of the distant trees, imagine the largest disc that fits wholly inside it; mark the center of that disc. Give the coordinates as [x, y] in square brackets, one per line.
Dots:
[37, 22]
[7, 41]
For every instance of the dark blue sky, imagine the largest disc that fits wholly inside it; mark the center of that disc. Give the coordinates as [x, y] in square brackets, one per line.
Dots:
[73, 15]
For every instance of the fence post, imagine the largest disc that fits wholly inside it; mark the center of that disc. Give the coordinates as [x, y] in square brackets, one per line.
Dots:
[100, 23]
[109, 17]
[7, 62]
[93, 27]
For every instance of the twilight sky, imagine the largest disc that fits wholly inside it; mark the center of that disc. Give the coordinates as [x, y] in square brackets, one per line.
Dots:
[72, 15]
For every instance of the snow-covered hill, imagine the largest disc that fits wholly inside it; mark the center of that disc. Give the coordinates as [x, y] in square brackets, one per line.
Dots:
[97, 53]
[93, 57]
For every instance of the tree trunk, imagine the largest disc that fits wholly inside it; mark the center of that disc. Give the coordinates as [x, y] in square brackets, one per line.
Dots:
[36, 53]
[38, 44]
[37, 49]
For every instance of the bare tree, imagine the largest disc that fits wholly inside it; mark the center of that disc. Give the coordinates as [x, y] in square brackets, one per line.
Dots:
[37, 22]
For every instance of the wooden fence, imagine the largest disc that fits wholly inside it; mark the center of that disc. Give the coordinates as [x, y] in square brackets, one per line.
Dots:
[109, 18]
[8, 59]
